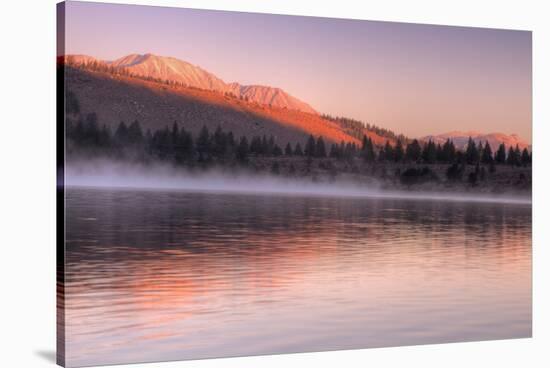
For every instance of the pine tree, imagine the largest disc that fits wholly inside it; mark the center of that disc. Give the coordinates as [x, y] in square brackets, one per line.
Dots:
[135, 134]
[472, 154]
[334, 151]
[487, 154]
[175, 133]
[367, 150]
[149, 141]
[449, 151]
[203, 143]
[479, 151]
[500, 155]
[121, 134]
[310, 147]
[389, 154]
[256, 145]
[105, 137]
[511, 159]
[90, 134]
[517, 154]
[342, 148]
[276, 151]
[460, 157]
[288, 150]
[265, 146]
[525, 157]
[186, 144]
[230, 141]
[381, 154]
[242, 150]
[398, 154]
[298, 150]
[414, 151]
[349, 150]
[270, 145]
[429, 153]
[320, 150]
[219, 142]
[439, 153]
[162, 143]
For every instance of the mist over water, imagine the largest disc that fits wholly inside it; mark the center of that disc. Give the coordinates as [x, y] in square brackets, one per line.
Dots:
[107, 174]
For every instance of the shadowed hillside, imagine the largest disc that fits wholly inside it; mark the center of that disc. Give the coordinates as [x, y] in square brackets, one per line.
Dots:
[116, 98]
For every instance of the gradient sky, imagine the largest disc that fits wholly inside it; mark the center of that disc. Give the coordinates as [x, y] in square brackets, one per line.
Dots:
[414, 79]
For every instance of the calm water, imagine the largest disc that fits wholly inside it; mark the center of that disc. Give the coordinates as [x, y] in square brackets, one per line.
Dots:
[169, 275]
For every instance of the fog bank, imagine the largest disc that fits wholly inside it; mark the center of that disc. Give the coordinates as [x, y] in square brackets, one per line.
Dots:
[102, 174]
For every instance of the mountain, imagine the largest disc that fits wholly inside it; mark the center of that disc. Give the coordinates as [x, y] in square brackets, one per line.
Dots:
[460, 139]
[275, 97]
[170, 69]
[175, 70]
[120, 97]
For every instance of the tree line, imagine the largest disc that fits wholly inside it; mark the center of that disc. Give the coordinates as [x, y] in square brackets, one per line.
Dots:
[356, 128]
[180, 145]
[448, 153]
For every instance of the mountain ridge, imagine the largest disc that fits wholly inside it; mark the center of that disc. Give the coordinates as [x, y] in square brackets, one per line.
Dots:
[460, 139]
[180, 71]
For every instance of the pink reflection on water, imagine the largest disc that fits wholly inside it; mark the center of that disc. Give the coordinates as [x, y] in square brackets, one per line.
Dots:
[342, 277]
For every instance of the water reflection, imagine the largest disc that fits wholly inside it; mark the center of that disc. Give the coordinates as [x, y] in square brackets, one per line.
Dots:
[169, 275]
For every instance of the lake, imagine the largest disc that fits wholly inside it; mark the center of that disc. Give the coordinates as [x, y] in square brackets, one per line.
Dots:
[168, 275]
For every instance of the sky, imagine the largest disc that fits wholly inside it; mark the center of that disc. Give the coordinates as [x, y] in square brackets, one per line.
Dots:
[411, 78]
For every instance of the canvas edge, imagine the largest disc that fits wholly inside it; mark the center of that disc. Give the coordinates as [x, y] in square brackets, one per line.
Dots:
[60, 192]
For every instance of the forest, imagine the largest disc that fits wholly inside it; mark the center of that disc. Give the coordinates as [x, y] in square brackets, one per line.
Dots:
[180, 146]
[401, 164]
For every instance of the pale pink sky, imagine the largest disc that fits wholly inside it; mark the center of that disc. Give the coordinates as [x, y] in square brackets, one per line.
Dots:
[414, 79]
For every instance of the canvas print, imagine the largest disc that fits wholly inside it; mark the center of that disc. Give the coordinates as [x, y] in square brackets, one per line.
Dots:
[235, 184]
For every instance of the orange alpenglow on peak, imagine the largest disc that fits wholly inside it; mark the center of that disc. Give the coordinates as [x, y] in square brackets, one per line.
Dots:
[172, 69]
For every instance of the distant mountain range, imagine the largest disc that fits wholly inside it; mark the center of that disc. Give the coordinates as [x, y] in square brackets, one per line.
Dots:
[460, 139]
[172, 69]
